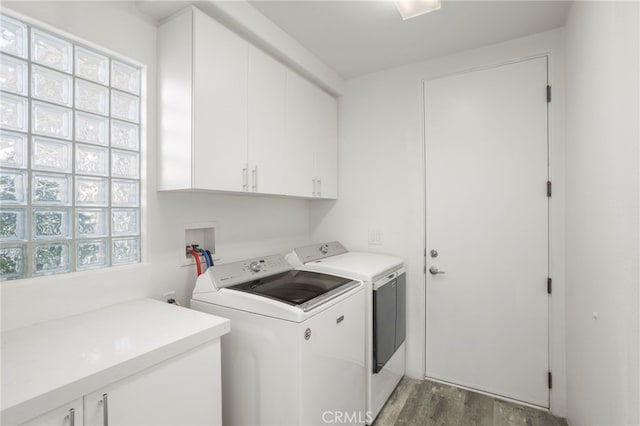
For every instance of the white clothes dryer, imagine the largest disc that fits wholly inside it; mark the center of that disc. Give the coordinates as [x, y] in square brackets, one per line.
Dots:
[385, 280]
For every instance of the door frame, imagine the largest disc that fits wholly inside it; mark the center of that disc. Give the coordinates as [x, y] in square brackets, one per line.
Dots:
[555, 252]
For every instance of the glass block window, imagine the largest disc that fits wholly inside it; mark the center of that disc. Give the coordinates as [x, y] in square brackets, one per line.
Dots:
[69, 155]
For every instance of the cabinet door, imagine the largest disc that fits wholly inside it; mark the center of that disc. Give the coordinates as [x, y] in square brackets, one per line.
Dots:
[268, 146]
[300, 133]
[219, 105]
[175, 102]
[68, 415]
[181, 391]
[326, 144]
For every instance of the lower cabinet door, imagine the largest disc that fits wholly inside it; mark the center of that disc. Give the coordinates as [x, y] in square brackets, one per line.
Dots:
[184, 390]
[68, 415]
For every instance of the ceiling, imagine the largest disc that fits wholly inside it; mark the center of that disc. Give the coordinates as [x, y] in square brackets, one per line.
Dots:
[363, 36]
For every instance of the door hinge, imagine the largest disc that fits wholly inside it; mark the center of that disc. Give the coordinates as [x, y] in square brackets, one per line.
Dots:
[549, 284]
[424, 261]
[548, 188]
[548, 93]
[550, 380]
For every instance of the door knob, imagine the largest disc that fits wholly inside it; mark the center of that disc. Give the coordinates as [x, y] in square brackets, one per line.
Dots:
[435, 271]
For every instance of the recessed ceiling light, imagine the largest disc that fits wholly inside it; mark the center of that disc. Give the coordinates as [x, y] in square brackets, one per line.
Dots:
[412, 8]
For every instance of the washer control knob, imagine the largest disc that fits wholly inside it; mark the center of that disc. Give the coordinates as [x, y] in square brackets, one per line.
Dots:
[256, 266]
[324, 249]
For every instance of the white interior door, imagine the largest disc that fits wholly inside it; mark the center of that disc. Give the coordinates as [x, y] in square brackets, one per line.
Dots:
[487, 218]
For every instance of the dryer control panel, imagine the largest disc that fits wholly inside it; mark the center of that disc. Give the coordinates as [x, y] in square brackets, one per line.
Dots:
[228, 274]
[306, 254]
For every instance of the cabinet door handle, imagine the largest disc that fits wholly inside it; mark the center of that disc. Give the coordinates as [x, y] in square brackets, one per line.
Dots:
[254, 175]
[72, 417]
[320, 186]
[245, 177]
[105, 410]
[313, 191]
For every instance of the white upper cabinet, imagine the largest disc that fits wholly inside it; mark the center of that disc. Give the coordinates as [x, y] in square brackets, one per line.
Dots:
[268, 160]
[220, 105]
[312, 136]
[232, 118]
[203, 104]
[300, 124]
[326, 145]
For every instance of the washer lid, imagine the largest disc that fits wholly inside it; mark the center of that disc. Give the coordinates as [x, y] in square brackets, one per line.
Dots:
[298, 288]
[357, 265]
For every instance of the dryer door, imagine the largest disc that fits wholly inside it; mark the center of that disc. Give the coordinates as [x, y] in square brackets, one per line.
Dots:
[401, 310]
[384, 324]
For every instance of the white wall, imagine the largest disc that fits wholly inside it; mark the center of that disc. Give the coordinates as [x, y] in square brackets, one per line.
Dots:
[603, 244]
[381, 179]
[247, 226]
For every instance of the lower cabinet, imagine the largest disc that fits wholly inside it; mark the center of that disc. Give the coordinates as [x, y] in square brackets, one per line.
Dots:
[68, 415]
[185, 390]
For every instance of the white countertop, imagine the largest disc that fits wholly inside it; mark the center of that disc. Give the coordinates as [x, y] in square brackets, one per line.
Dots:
[50, 364]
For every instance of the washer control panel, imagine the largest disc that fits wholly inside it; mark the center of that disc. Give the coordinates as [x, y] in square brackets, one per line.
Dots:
[229, 274]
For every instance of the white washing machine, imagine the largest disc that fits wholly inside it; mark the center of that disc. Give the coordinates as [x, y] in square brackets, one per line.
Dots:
[296, 351]
[385, 280]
